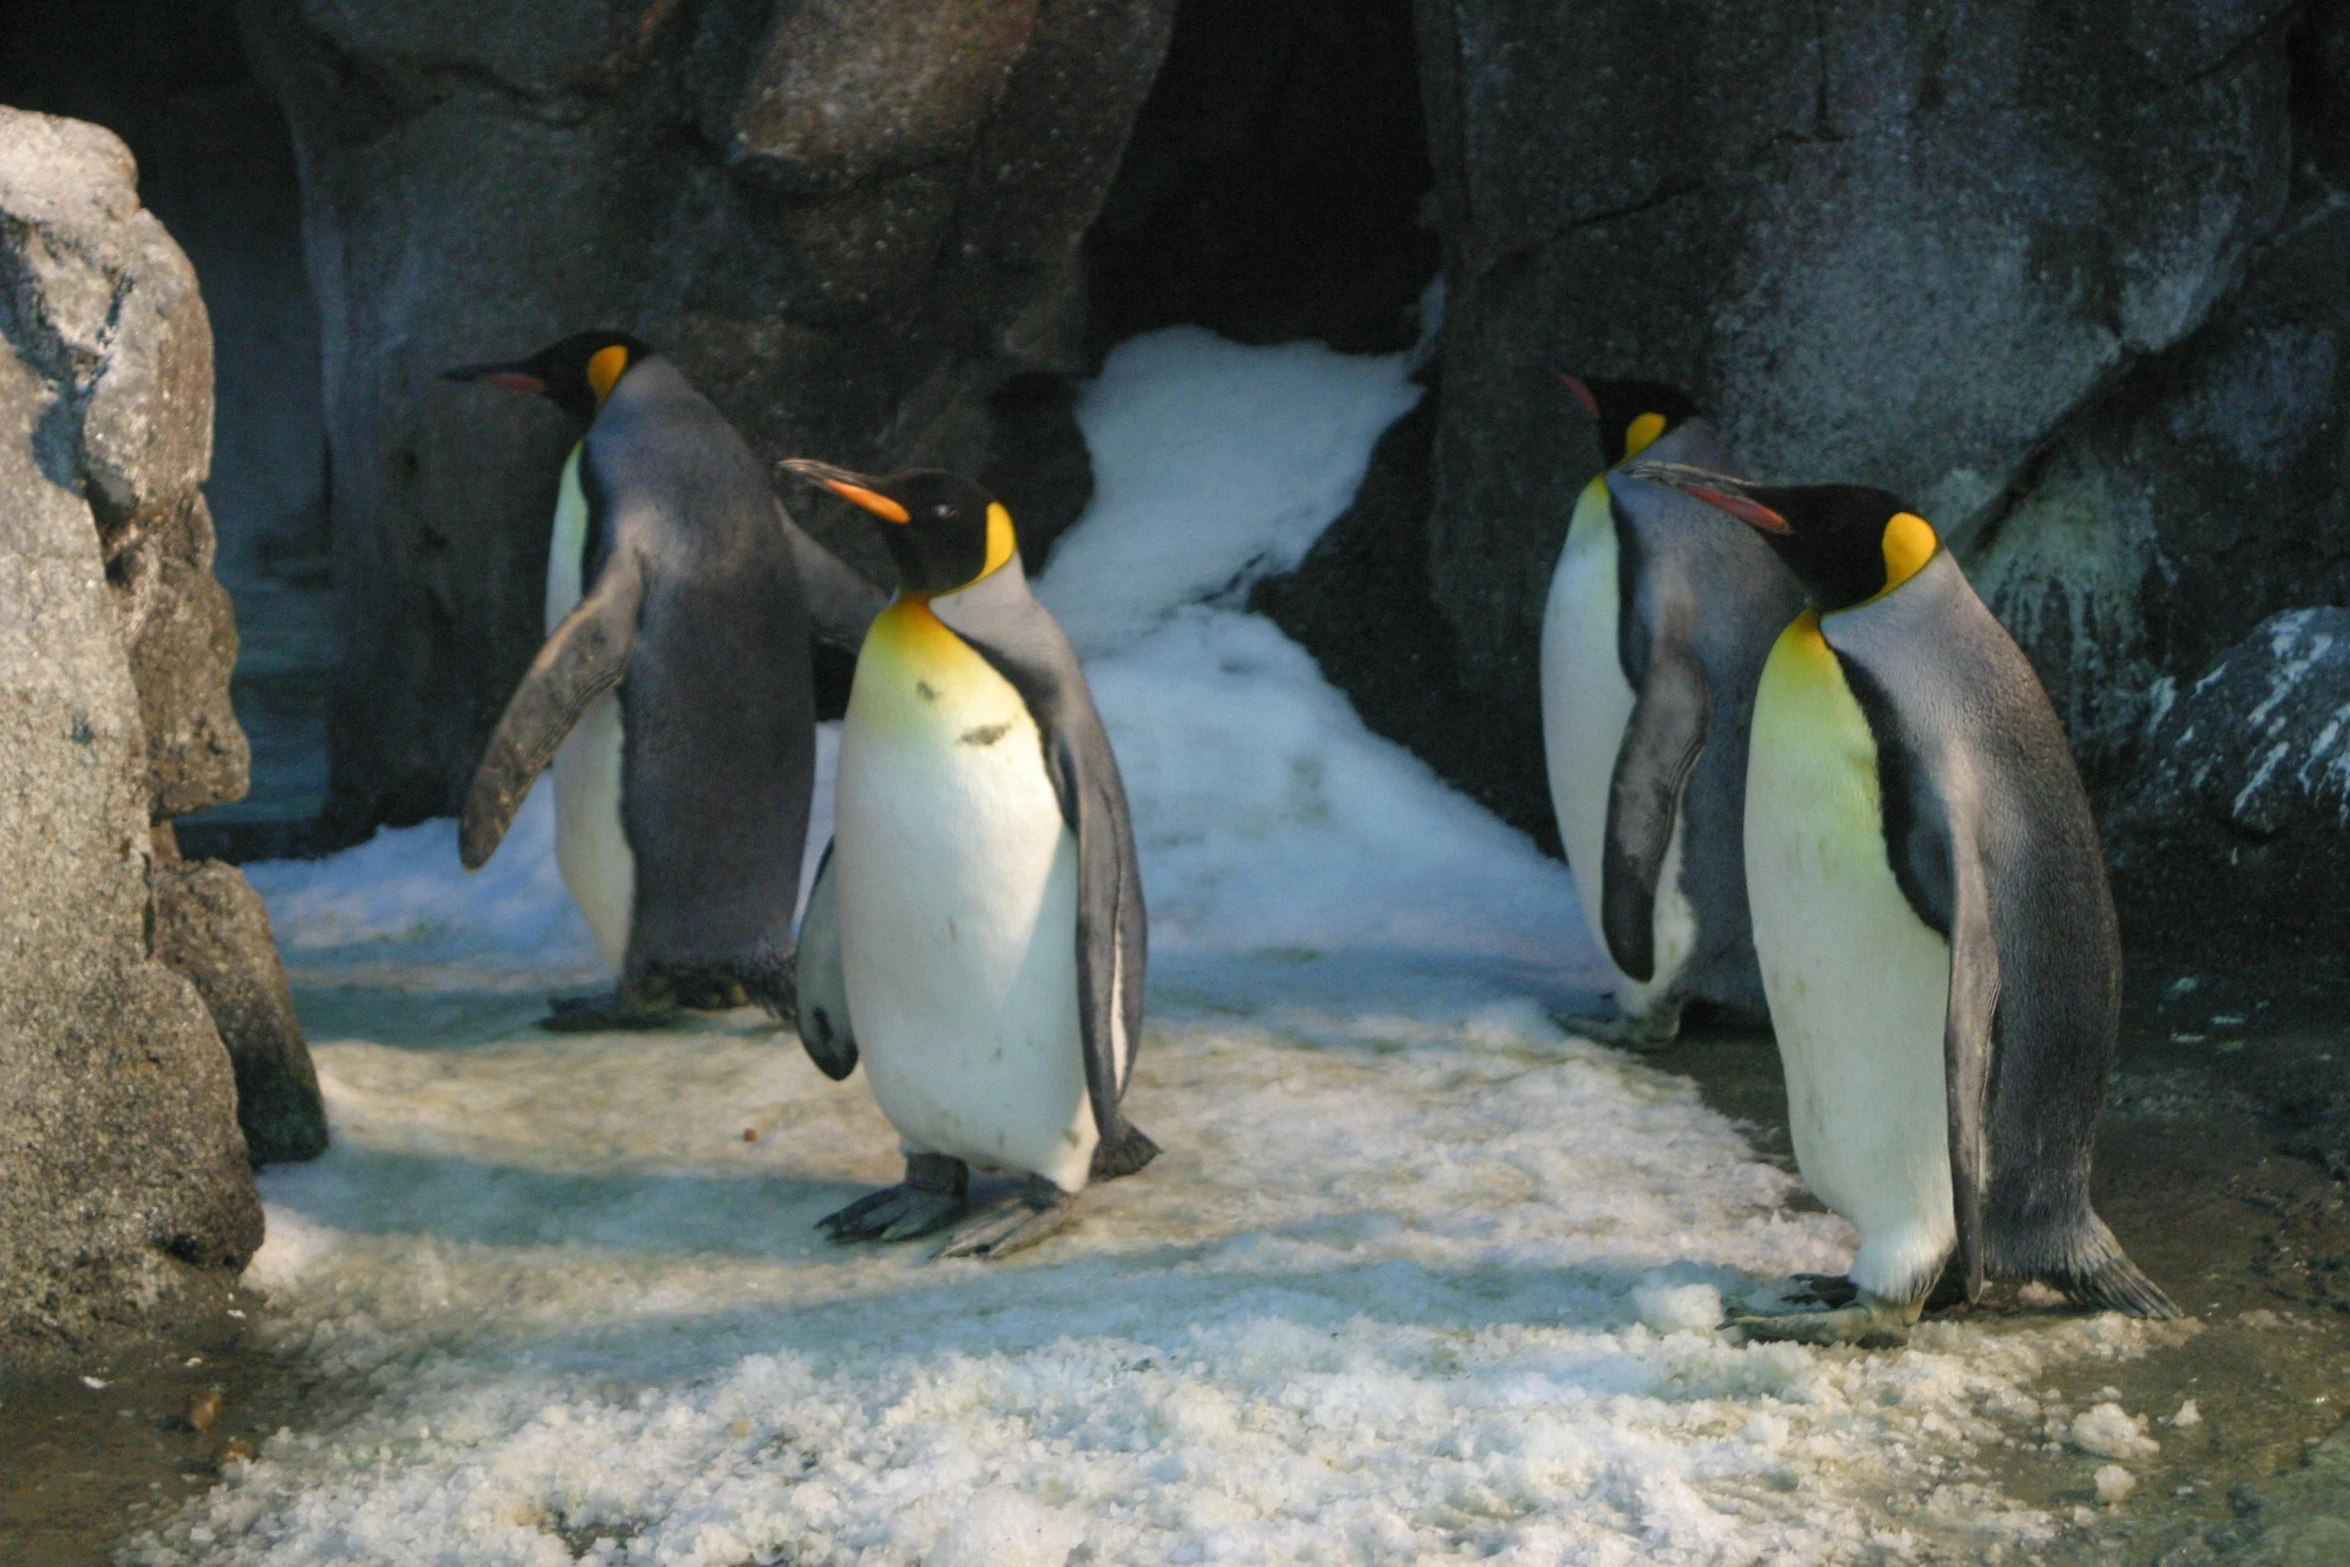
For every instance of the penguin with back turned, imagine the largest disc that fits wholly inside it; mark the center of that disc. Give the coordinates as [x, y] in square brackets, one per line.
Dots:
[1936, 934]
[1653, 638]
[977, 933]
[673, 692]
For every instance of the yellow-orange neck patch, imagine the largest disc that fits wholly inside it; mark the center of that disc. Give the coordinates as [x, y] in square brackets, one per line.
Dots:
[1908, 544]
[1002, 542]
[603, 370]
[1641, 433]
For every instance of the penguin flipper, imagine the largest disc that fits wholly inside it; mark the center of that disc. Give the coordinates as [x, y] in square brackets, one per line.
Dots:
[582, 659]
[1967, 1023]
[823, 1002]
[1029, 649]
[841, 603]
[1661, 744]
[1111, 932]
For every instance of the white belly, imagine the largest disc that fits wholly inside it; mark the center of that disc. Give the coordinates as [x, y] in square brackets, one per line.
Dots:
[1586, 705]
[958, 909]
[1858, 984]
[591, 846]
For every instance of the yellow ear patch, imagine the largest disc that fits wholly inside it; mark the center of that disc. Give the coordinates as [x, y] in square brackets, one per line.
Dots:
[1909, 543]
[1640, 432]
[1001, 540]
[603, 371]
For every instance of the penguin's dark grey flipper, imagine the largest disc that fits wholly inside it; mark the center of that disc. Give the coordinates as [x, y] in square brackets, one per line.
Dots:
[1661, 744]
[823, 1000]
[585, 657]
[1036, 1210]
[933, 1195]
[1967, 1044]
[841, 603]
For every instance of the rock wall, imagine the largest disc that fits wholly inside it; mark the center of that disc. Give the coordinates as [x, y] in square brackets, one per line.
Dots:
[128, 1178]
[852, 221]
[1893, 243]
[2066, 275]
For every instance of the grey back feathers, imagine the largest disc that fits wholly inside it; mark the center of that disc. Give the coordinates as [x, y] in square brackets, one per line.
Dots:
[1702, 600]
[692, 605]
[1989, 835]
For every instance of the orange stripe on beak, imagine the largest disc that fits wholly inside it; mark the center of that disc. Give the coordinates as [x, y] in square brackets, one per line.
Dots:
[871, 500]
[1738, 506]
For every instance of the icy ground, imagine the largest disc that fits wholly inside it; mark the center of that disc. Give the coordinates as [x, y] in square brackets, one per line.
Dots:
[1418, 1278]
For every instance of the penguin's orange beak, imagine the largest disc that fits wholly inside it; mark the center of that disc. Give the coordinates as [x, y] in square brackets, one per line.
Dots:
[1738, 506]
[507, 376]
[1711, 488]
[855, 488]
[1582, 392]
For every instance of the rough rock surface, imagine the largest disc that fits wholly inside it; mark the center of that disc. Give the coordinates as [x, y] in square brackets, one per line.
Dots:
[211, 926]
[1360, 603]
[1898, 244]
[2239, 806]
[2209, 488]
[127, 1178]
[850, 222]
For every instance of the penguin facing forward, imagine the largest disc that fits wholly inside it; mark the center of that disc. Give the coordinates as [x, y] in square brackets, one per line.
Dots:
[977, 931]
[1653, 639]
[672, 695]
[1936, 934]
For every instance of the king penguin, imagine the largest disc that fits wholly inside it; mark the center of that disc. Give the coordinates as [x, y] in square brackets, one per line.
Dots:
[977, 930]
[1653, 639]
[673, 693]
[1936, 934]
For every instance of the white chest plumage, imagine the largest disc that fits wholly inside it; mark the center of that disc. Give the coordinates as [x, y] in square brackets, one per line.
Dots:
[591, 843]
[958, 908]
[1858, 984]
[1586, 706]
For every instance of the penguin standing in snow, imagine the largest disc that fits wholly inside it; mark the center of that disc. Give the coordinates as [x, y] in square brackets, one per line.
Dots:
[673, 692]
[977, 931]
[1652, 641]
[1936, 934]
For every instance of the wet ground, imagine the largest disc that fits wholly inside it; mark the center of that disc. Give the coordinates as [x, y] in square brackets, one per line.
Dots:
[2222, 1168]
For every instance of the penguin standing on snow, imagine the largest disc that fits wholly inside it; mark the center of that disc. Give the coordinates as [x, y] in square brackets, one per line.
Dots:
[673, 692]
[1652, 641]
[1931, 912]
[977, 930]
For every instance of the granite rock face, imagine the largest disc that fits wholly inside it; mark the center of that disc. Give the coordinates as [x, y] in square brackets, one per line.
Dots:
[851, 224]
[2238, 809]
[128, 1179]
[211, 926]
[2208, 488]
[1891, 244]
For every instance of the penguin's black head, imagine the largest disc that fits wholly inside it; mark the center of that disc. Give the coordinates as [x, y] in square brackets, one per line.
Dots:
[1631, 414]
[944, 531]
[1845, 543]
[576, 375]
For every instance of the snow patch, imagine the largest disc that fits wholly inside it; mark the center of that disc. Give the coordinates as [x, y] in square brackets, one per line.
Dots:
[2109, 1431]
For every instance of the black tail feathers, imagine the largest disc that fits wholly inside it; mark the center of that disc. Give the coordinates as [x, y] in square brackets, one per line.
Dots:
[2100, 1274]
[1123, 1154]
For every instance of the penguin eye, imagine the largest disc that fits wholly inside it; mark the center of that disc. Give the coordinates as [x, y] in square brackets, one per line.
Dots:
[943, 510]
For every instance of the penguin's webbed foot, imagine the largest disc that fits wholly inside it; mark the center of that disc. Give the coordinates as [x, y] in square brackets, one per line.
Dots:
[933, 1195]
[615, 1011]
[1652, 1031]
[1031, 1213]
[1816, 1308]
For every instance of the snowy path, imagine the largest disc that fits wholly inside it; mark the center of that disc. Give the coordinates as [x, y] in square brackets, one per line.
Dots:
[1418, 1279]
